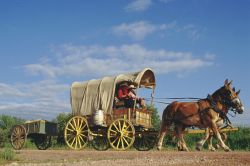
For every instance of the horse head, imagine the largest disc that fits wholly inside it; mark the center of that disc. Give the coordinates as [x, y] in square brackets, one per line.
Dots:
[229, 97]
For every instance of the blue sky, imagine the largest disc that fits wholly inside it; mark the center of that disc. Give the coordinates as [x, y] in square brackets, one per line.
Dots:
[192, 45]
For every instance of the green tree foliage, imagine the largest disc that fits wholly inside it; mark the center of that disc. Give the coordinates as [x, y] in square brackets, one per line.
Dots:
[155, 117]
[6, 123]
[61, 121]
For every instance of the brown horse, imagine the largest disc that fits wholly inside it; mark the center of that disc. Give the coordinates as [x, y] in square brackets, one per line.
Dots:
[204, 113]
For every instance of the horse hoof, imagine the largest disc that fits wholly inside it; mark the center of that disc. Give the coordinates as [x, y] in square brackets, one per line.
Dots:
[212, 149]
[159, 148]
[198, 148]
[228, 150]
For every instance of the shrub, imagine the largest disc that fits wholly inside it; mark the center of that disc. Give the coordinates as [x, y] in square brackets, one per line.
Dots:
[7, 154]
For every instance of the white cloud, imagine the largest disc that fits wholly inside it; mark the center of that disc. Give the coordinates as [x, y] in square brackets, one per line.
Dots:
[139, 30]
[109, 60]
[142, 5]
[138, 5]
[7, 90]
[37, 100]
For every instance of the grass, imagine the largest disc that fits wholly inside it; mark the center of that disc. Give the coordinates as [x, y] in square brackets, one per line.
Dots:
[7, 154]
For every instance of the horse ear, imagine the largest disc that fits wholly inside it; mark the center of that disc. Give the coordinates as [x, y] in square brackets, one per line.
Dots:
[238, 92]
[234, 89]
[226, 82]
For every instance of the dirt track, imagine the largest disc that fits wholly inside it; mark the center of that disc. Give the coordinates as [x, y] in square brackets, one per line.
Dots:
[114, 158]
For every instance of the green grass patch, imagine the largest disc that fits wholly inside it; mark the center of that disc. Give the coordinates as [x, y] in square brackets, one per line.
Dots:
[8, 154]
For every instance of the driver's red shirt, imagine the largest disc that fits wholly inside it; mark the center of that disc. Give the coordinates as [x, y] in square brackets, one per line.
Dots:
[123, 92]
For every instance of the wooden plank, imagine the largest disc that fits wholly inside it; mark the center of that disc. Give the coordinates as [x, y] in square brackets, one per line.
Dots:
[197, 131]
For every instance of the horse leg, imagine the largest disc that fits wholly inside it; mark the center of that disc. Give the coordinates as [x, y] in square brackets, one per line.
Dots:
[181, 142]
[162, 134]
[200, 144]
[223, 137]
[218, 136]
[210, 142]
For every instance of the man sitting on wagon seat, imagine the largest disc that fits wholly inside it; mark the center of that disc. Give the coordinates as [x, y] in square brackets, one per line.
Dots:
[127, 94]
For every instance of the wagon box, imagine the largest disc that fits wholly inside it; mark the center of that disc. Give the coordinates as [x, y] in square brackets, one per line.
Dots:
[41, 127]
[38, 130]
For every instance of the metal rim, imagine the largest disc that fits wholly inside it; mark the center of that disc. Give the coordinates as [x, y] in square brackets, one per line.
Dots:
[76, 133]
[121, 134]
[18, 137]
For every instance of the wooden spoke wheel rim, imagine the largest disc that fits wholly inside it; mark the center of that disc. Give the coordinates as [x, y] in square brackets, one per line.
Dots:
[18, 137]
[121, 134]
[76, 133]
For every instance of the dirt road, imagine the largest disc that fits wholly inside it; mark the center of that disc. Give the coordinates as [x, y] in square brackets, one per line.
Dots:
[128, 158]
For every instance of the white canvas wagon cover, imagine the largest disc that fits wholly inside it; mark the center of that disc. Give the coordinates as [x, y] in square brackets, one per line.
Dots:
[89, 96]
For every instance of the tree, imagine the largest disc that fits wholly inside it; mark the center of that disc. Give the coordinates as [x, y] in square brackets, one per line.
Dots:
[156, 122]
[61, 121]
[6, 124]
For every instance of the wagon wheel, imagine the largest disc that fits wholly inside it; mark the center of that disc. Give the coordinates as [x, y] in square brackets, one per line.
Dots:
[42, 141]
[100, 143]
[145, 142]
[18, 137]
[76, 133]
[121, 134]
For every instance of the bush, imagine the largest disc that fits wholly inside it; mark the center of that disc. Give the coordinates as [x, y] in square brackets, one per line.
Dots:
[155, 117]
[7, 154]
[61, 121]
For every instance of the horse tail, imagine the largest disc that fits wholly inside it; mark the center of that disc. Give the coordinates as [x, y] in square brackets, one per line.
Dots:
[168, 113]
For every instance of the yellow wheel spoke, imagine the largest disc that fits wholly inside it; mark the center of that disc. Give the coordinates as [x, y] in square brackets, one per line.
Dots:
[76, 142]
[73, 141]
[125, 141]
[84, 135]
[118, 143]
[121, 134]
[115, 140]
[128, 137]
[69, 129]
[116, 127]
[78, 119]
[119, 123]
[122, 143]
[72, 125]
[113, 131]
[76, 127]
[76, 132]
[82, 139]
[81, 128]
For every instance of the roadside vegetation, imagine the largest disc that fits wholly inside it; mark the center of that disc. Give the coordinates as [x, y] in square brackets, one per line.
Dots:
[237, 140]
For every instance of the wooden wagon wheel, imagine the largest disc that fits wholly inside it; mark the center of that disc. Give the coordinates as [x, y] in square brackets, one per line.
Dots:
[100, 143]
[42, 141]
[145, 142]
[76, 133]
[18, 137]
[121, 134]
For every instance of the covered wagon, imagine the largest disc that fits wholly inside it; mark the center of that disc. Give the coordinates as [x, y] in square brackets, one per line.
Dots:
[98, 117]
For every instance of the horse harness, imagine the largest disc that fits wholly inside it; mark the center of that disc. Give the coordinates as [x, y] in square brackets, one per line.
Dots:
[213, 106]
[203, 111]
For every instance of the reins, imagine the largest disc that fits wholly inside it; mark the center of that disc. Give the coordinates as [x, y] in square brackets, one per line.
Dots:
[171, 98]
